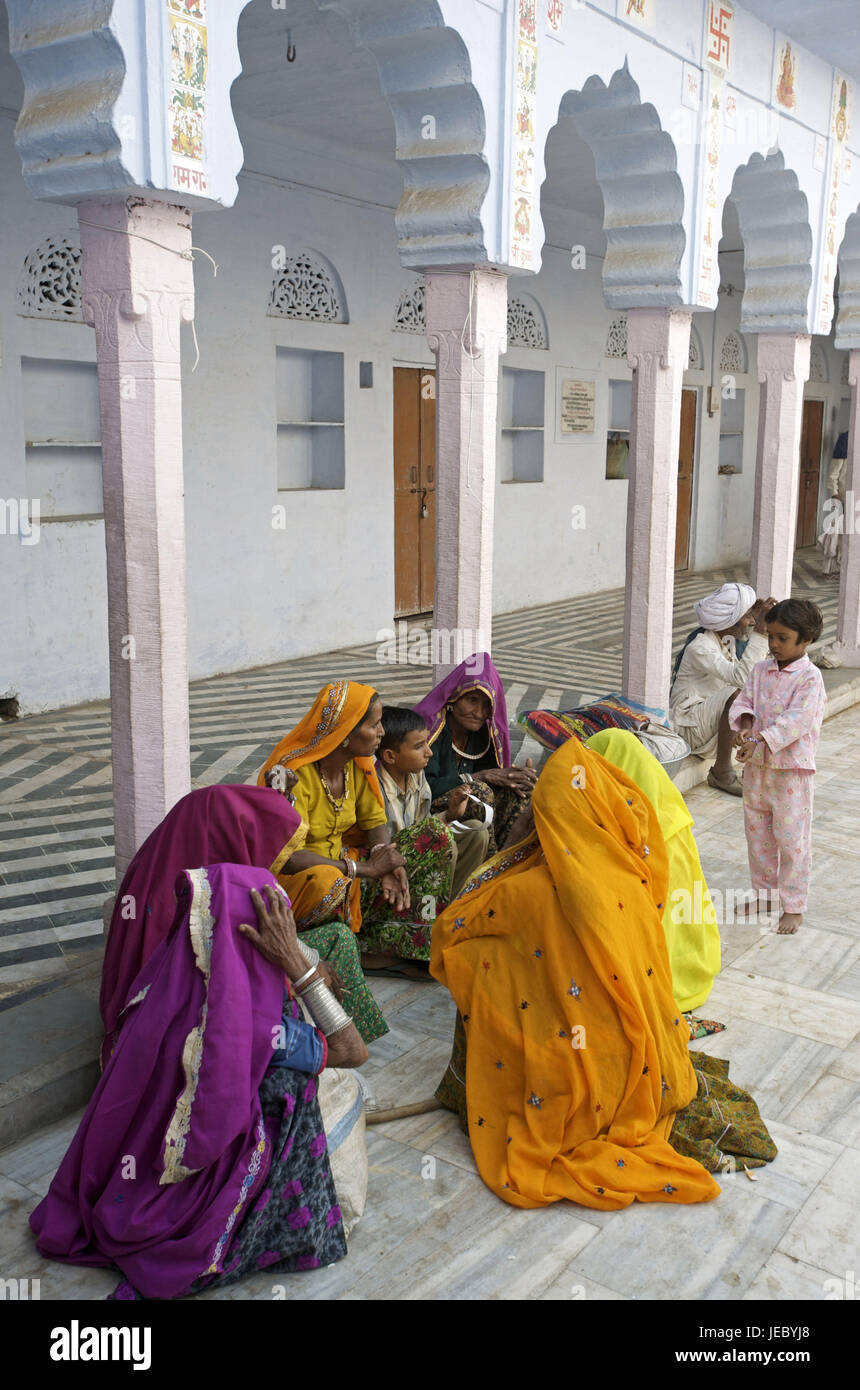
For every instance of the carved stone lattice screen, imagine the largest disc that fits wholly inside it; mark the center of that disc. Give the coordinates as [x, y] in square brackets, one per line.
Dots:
[50, 286]
[308, 288]
[525, 325]
[616, 338]
[733, 355]
[411, 313]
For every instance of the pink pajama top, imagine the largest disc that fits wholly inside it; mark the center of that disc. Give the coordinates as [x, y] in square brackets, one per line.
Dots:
[787, 707]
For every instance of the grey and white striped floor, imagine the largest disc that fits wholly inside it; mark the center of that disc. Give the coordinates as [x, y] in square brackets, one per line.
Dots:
[56, 816]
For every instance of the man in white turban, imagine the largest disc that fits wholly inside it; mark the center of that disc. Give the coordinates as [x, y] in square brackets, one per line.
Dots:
[709, 674]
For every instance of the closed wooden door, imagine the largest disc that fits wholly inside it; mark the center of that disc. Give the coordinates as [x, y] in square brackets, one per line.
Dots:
[686, 462]
[414, 490]
[810, 467]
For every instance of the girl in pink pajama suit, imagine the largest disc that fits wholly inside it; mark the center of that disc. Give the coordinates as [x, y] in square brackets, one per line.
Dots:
[777, 718]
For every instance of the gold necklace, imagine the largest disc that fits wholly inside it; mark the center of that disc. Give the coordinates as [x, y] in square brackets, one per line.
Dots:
[336, 803]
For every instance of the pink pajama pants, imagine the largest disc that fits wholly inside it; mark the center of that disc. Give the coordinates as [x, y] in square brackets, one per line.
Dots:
[778, 822]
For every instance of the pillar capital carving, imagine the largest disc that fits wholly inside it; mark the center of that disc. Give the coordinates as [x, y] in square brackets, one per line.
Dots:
[137, 280]
[785, 355]
[655, 338]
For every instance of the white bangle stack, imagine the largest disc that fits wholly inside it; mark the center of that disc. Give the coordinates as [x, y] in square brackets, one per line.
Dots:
[324, 1009]
[310, 953]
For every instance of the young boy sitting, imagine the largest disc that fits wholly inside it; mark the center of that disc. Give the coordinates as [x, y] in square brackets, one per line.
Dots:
[401, 759]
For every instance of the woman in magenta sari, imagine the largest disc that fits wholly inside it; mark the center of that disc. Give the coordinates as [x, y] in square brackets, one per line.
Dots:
[467, 717]
[222, 824]
[202, 1157]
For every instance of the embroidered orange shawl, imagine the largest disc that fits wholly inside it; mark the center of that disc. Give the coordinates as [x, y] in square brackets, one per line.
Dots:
[555, 953]
[336, 711]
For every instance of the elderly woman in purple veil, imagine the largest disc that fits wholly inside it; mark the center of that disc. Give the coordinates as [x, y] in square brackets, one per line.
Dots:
[467, 717]
[202, 1156]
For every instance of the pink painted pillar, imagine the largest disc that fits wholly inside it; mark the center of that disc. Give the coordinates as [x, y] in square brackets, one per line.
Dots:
[783, 367]
[467, 330]
[658, 345]
[848, 621]
[137, 288]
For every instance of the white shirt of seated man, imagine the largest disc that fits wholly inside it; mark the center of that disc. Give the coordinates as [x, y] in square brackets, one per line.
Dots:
[710, 665]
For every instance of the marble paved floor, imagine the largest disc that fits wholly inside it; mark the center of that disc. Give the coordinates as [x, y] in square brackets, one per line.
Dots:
[433, 1231]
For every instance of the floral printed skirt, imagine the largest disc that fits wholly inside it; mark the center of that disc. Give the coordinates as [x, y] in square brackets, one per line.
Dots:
[428, 848]
[295, 1222]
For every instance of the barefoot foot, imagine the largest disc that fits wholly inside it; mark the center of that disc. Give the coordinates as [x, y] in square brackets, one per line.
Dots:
[757, 907]
[789, 922]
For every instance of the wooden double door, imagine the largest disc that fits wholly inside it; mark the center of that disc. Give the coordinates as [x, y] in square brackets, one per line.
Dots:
[414, 490]
[415, 487]
[810, 469]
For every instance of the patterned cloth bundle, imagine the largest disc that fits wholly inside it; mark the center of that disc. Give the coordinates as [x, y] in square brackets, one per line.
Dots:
[553, 727]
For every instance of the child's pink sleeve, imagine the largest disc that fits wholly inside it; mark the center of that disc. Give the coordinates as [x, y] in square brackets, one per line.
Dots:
[744, 703]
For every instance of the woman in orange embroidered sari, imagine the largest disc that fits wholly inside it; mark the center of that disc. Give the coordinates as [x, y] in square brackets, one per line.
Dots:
[337, 794]
[555, 954]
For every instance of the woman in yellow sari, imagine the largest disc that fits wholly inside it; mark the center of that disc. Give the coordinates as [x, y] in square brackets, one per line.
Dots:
[336, 792]
[689, 920]
[556, 956]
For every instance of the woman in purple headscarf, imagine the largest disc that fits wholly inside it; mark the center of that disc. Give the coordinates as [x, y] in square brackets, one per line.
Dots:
[215, 825]
[202, 1157]
[467, 717]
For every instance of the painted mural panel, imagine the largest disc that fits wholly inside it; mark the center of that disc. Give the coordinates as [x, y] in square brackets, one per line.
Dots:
[785, 73]
[554, 16]
[719, 17]
[523, 198]
[189, 69]
[839, 117]
[642, 12]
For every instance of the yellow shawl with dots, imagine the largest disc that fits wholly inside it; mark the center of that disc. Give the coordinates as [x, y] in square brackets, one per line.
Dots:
[555, 954]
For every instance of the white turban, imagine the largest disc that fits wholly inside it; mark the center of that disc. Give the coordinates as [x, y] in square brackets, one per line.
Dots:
[725, 606]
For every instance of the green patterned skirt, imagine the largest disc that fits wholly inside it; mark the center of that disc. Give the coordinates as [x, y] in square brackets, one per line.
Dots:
[337, 944]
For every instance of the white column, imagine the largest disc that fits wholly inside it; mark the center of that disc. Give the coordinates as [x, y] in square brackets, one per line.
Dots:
[848, 621]
[137, 288]
[783, 367]
[467, 330]
[658, 346]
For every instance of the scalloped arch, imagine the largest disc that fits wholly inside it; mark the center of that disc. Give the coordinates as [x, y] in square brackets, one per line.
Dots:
[643, 196]
[425, 66]
[774, 220]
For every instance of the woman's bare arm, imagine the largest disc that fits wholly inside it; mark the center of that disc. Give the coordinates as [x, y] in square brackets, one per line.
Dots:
[277, 941]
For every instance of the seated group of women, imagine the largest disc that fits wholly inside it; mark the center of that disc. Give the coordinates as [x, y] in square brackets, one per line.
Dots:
[569, 964]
